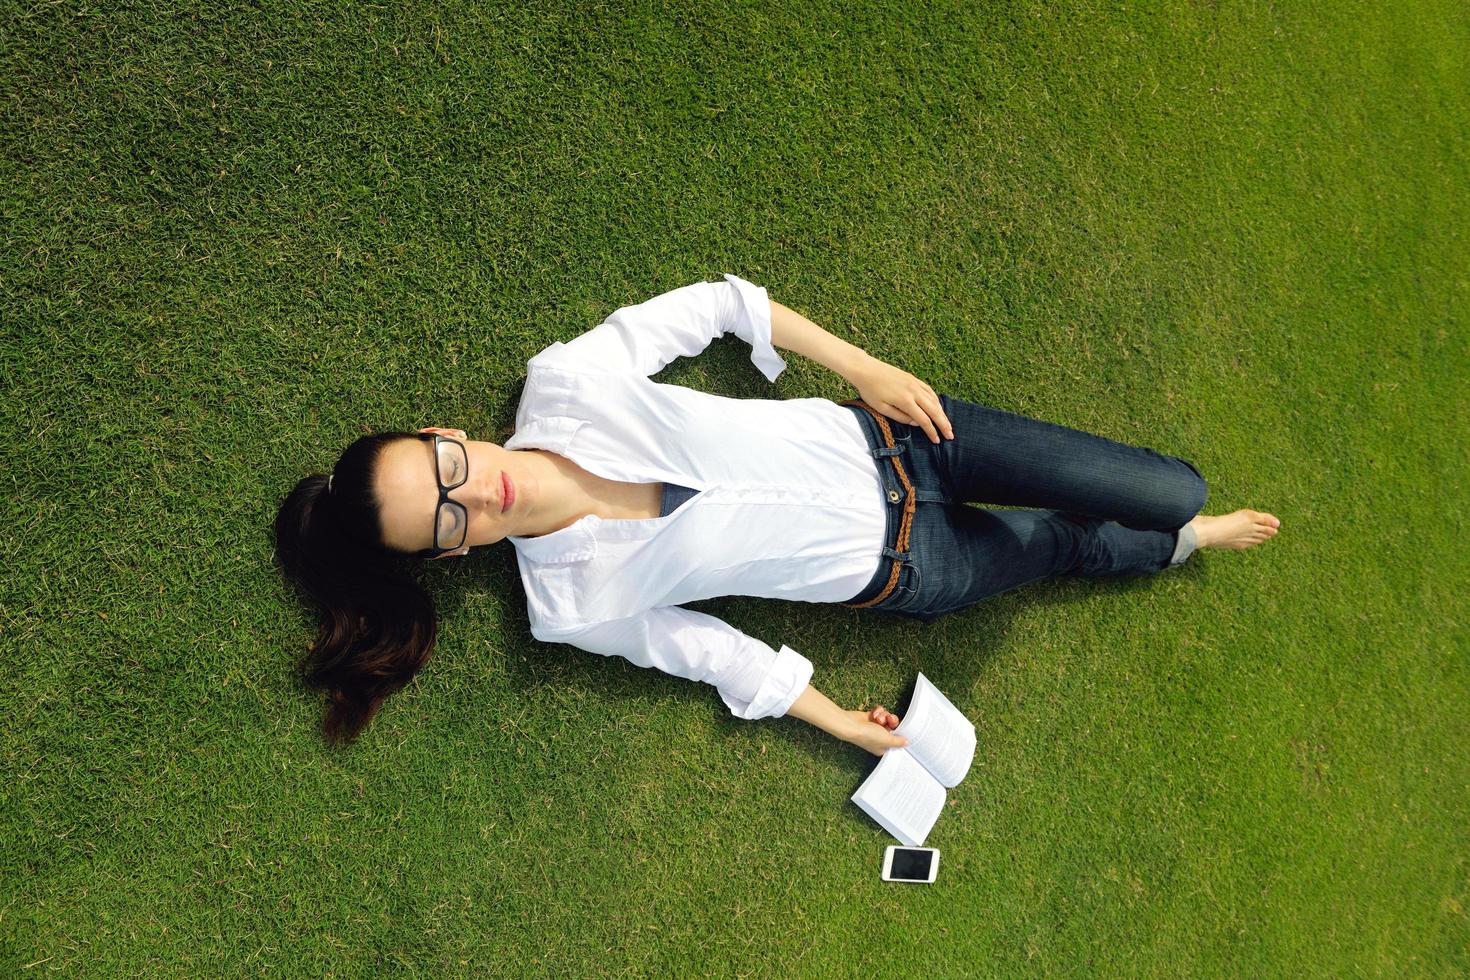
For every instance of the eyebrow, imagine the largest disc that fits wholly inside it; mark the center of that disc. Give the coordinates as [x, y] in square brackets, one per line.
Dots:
[433, 478]
[433, 488]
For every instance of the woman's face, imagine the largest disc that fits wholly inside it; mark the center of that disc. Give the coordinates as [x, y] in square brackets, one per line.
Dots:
[407, 492]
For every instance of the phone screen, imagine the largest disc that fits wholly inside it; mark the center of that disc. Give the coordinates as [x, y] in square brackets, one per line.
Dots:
[910, 865]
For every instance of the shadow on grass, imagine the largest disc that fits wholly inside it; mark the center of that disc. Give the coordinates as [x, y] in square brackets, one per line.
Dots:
[951, 650]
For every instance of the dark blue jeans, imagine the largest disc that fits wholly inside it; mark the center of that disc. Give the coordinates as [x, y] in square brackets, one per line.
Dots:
[1105, 508]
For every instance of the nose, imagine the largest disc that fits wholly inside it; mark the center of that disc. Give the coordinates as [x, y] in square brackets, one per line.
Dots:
[470, 497]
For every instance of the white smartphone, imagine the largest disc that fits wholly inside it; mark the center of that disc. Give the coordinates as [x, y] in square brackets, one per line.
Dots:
[916, 864]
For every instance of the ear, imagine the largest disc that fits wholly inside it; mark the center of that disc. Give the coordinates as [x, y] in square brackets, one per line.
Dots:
[453, 433]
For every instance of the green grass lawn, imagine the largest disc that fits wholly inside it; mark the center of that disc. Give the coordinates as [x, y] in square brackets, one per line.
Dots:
[236, 239]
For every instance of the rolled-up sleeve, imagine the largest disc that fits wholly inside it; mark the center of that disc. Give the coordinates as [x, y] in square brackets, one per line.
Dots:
[754, 680]
[682, 322]
[752, 324]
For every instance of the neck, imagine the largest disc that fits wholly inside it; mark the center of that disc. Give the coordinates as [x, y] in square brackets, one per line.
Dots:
[565, 492]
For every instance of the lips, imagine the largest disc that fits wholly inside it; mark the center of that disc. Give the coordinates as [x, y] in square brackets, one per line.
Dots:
[507, 492]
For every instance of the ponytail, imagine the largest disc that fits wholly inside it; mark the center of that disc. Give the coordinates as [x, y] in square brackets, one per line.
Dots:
[377, 624]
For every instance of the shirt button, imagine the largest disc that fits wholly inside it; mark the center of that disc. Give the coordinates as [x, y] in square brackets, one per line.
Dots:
[893, 496]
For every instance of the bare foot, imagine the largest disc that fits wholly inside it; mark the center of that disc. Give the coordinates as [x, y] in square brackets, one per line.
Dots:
[1239, 530]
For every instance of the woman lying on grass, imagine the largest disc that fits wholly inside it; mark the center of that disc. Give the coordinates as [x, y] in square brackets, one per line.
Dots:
[625, 497]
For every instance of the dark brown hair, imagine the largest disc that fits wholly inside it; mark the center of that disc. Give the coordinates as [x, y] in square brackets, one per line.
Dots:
[377, 624]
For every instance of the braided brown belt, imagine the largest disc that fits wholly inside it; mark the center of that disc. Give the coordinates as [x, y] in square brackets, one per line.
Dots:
[902, 544]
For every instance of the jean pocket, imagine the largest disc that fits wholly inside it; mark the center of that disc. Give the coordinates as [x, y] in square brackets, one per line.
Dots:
[906, 589]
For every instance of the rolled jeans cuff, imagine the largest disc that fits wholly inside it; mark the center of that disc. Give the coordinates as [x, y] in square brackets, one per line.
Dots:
[1185, 545]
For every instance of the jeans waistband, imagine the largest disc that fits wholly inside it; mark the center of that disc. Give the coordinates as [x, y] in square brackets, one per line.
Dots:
[900, 498]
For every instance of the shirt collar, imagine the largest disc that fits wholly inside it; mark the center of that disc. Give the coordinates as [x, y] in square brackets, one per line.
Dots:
[576, 541]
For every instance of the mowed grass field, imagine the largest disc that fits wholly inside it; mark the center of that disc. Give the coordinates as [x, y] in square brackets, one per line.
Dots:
[238, 236]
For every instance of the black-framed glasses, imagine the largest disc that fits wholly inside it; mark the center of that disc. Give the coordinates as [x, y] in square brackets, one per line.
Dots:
[451, 520]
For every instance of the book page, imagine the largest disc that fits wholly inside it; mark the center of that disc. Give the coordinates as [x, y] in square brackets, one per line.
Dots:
[940, 737]
[902, 796]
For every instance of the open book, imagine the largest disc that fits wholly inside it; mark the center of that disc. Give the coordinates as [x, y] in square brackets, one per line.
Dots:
[905, 793]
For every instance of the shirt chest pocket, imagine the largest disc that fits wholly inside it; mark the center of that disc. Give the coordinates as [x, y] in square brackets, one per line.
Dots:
[559, 586]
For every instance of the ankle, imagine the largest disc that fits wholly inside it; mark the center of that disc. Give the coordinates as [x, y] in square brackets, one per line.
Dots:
[1201, 536]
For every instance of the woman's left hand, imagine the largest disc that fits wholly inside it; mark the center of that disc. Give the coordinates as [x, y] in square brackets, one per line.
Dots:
[873, 730]
[901, 396]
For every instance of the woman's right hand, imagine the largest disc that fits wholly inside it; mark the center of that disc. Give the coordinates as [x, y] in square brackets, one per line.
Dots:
[872, 730]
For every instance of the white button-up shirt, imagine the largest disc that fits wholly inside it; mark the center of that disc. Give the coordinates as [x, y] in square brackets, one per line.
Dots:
[789, 502]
